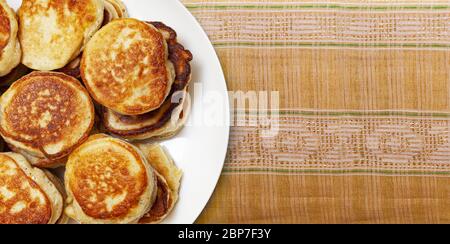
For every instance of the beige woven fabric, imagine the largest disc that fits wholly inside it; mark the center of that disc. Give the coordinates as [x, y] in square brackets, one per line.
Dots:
[364, 120]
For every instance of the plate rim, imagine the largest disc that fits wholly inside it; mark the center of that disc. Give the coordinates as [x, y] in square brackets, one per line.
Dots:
[227, 111]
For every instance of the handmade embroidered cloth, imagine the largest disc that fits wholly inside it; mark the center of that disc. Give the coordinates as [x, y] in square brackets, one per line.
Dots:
[363, 132]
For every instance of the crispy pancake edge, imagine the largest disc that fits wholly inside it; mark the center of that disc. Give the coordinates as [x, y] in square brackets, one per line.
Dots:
[170, 178]
[163, 204]
[40, 162]
[120, 7]
[63, 219]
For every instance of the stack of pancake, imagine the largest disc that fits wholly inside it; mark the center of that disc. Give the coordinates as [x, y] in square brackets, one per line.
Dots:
[139, 100]
[72, 72]
[110, 181]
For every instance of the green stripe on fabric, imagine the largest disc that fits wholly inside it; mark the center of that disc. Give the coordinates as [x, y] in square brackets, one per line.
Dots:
[309, 6]
[353, 113]
[324, 44]
[294, 171]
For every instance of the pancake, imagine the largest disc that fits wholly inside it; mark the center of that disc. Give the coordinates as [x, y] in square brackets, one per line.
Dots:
[44, 116]
[10, 52]
[169, 176]
[108, 181]
[171, 116]
[53, 32]
[27, 195]
[125, 67]
[73, 68]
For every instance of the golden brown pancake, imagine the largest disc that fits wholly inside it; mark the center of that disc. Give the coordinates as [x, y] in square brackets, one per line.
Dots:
[108, 181]
[45, 115]
[27, 195]
[10, 51]
[53, 32]
[155, 123]
[125, 67]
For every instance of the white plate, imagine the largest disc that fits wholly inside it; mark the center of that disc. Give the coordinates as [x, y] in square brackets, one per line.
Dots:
[200, 149]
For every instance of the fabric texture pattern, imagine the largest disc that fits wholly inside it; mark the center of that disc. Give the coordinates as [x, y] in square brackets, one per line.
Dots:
[363, 115]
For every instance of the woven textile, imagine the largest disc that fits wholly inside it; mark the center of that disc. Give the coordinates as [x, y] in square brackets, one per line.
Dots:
[363, 121]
